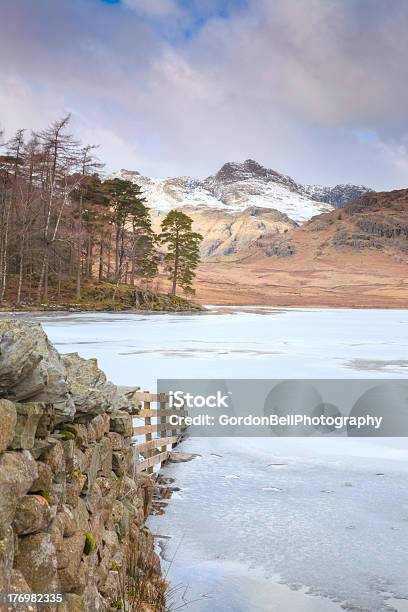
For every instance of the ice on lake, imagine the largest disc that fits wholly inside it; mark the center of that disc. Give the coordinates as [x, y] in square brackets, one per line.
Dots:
[324, 517]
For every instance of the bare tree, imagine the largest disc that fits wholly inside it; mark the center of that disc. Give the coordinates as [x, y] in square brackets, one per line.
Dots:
[11, 167]
[62, 159]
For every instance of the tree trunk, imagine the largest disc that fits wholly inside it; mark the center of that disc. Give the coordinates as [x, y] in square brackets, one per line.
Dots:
[20, 270]
[42, 277]
[176, 267]
[5, 254]
[90, 256]
[117, 252]
[79, 252]
[100, 271]
[46, 270]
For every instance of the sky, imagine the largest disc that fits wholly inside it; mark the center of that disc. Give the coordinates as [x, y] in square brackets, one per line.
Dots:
[316, 89]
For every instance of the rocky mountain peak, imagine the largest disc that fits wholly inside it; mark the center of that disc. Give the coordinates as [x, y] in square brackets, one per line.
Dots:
[232, 172]
[240, 185]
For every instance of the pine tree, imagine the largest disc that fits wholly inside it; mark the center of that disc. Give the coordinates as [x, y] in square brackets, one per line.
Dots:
[145, 259]
[129, 212]
[88, 165]
[93, 217]
[182, 257]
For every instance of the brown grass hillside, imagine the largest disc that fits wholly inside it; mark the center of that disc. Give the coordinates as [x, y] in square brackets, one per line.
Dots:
[353, 257]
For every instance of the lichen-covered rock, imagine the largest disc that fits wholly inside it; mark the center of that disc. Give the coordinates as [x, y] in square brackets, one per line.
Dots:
[31, 368]
[121, 423]
[137, 497]
[80, 461]
[6, 558]
[74, 488]
[146, 487]
[28, 417]
[55, 459]
[109, 553]
[69, 559]
[85, 575]
[117, 441]
[81, 515]
[109, 588]
[43, 445]
[68, 448]
[120, 463]
[18, 471]
[72, 603]
[99, 426]
[80, 432]
[115, 515]
[90, 390]
[32, 514]
[43, 481]
[93, 600]
[8, 419]
[94, 467]
[20, 352]
[18, 584]
[58, 493]
[105, 447]
[36, 558]
[47, 421]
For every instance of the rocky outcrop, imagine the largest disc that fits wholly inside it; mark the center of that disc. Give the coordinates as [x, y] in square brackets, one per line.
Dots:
[225, 233]
[375, 221]
[72, 504]
[281, 247]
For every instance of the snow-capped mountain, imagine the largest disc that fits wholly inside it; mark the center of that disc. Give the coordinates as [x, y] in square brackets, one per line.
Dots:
[237, 186]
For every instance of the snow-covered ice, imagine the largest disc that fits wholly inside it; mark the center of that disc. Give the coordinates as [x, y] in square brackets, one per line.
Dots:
[328, 517]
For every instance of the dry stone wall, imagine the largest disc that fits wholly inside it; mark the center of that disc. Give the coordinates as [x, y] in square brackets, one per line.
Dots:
[72, 506]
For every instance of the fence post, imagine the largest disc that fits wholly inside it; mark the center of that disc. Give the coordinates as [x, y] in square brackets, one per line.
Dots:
[163, 433]
[148, 436]
[174, 431]
[155, 449]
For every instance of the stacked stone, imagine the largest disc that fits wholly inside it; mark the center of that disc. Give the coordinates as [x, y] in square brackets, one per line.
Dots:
[72, 505]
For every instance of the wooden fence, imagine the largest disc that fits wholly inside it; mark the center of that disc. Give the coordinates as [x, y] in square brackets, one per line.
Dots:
[159, 437]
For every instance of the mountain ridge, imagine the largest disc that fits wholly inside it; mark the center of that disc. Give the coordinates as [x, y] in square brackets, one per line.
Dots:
[240, 185]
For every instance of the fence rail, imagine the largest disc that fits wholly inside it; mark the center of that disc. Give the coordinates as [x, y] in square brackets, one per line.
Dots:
[155, 449]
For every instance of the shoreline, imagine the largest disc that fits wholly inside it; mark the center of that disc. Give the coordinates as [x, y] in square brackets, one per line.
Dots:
[58, 310]
[204, 309]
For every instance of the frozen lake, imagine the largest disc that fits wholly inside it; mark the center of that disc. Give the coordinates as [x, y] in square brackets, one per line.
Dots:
[327, 528]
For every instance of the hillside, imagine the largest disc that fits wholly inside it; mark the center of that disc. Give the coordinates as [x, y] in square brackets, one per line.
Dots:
[353, 257]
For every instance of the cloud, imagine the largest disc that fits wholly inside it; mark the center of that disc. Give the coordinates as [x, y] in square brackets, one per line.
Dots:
[155, 8]
[177, 87]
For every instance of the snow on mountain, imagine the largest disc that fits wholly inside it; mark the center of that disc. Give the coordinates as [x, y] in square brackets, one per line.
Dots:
[338, 196]
[237, 186]
[167, 193]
